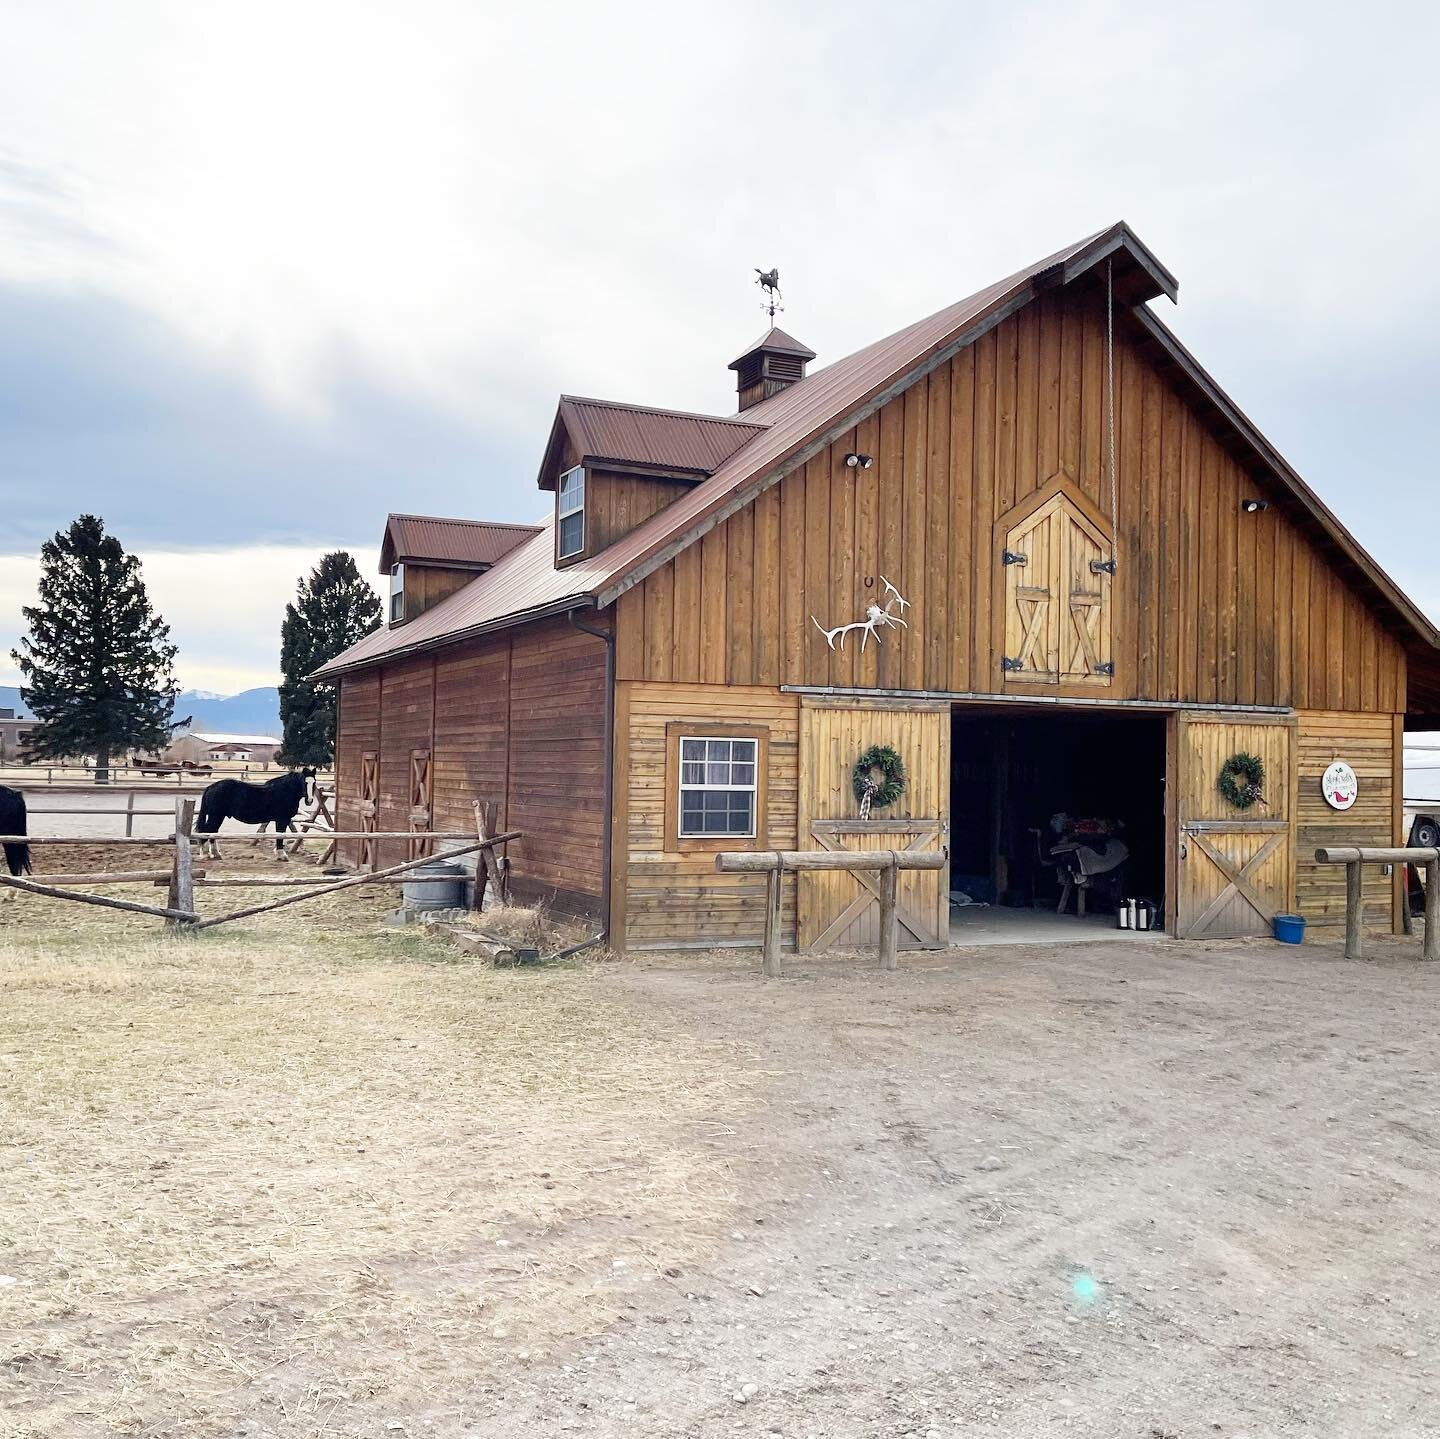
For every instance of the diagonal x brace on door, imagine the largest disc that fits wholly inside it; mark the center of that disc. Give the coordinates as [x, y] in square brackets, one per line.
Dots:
[869, 894]
[1238, 877]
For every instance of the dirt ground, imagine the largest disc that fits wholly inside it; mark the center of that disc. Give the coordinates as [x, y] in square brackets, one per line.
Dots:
[1151, 1189]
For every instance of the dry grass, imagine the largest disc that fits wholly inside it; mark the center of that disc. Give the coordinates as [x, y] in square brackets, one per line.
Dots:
[533, 926]
[312, 1171]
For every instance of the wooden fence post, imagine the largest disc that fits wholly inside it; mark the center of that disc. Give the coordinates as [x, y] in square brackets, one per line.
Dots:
[129, 814]
[1432, 909]
[486, 818]
[1354, 909]
[182, 880]
[770, 965]
[889, 926]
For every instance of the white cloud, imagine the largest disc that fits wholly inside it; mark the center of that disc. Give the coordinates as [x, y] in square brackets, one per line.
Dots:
[474, 206]
[224, 609]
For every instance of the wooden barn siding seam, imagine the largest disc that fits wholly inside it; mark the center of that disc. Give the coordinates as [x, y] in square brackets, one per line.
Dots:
[1212, 605]
[518, 718]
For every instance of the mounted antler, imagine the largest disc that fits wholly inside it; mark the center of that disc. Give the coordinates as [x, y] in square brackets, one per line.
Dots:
[876, 617]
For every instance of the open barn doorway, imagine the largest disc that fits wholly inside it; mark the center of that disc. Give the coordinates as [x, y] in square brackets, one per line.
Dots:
[1056, 817]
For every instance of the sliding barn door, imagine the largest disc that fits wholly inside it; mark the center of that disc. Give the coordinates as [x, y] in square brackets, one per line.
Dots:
[1236, 867]
[840, 909]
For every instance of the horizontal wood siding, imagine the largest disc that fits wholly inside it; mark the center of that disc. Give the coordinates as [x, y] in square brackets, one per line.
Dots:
[358, 733]
[1210, 604]
[557, 762]
[518, 718]
[472, 703]
[405, 712]
[1367, 744]
[679, 899]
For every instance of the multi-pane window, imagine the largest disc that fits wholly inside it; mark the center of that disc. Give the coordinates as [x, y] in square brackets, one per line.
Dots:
[397, 594]
[717, 787]
[570, 512]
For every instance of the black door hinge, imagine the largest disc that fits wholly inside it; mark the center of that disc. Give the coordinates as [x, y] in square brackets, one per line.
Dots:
[1009, 557]
[1102, 567]
[1007, 664]
[1105, 667]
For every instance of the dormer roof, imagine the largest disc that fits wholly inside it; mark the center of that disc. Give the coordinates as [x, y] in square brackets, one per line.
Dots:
[666, 443]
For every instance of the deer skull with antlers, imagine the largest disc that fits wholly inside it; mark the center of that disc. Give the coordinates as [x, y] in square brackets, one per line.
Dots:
[876, 617]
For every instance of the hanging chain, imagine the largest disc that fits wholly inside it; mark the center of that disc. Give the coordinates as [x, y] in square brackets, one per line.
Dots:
[1110, 406]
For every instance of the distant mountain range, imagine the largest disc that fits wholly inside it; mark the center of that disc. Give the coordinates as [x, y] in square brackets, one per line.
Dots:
[253, 712]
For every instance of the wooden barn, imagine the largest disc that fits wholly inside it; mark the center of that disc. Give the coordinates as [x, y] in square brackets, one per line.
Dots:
[1028, 544]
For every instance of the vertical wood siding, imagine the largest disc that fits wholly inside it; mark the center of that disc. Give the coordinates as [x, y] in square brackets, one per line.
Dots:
[1210, 605]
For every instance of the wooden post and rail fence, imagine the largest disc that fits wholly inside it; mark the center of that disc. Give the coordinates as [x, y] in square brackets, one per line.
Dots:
[1355, 859]
[183, 877]
[774, 863]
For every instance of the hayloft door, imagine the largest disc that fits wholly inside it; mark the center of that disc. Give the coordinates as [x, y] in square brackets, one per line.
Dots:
[839, 909]
[1235, 866]
[1056, 591]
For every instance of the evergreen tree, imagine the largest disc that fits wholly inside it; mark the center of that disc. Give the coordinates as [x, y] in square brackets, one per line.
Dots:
[96, 664]
[333, 609]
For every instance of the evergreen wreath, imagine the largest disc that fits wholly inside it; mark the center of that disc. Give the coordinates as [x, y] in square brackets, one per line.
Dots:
[888, 787]
[1242, 780]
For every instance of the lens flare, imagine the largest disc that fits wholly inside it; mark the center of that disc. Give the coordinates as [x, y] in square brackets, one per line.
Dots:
[1085, 1288]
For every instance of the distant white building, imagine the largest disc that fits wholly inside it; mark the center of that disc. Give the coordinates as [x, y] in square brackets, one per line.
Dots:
[210, 748]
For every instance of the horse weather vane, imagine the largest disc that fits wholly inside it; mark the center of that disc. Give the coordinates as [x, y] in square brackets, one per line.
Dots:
[876, 618]
[769, 281]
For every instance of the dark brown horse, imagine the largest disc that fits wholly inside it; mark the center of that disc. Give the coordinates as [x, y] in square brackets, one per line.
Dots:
[12, 821]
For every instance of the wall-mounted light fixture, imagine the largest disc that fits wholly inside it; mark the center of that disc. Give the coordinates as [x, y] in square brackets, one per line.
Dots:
[1253, 507]
[859, 462]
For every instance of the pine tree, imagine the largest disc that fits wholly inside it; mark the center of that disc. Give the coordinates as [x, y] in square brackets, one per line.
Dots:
[333, 609]
[96, 665]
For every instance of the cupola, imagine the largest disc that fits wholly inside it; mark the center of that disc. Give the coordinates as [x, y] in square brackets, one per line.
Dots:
[773, 363]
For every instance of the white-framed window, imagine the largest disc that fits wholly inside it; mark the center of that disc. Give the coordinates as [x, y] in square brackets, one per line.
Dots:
[397, 593]
[717, 787]
[570, 512]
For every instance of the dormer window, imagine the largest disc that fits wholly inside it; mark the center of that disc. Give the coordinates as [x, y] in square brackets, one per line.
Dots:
[570, 512]
[397, 593]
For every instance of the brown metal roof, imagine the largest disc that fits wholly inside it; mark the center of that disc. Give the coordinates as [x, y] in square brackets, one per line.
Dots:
[669, 441]
[777, 340]
[417, 538]
[798, 422]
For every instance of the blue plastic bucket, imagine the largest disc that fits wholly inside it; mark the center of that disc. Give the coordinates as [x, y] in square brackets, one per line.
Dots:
[1289, 928]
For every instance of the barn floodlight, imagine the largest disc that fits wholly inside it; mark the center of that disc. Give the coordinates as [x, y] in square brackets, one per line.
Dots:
[1253, 507]
[859, 462]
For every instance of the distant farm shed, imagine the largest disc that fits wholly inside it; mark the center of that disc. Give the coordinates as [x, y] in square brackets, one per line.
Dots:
[1027, 543]
[256, 749]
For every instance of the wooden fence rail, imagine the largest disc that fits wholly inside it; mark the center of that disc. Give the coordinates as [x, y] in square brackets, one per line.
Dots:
[182, 878]
[1354, 859]
[775, 862]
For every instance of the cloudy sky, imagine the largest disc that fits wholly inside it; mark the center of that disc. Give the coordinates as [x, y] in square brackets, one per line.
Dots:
[269, 271]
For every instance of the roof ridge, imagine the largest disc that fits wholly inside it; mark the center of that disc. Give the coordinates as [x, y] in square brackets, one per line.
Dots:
[661, 410]
[460, 520]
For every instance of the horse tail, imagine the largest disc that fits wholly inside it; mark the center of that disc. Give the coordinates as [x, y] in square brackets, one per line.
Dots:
[12, 821]
[211, 811]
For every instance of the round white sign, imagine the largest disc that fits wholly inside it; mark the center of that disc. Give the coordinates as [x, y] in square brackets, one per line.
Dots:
[1339, 786]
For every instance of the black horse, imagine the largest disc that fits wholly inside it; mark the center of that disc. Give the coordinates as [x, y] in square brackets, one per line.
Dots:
[275, 802]
[12, 821]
